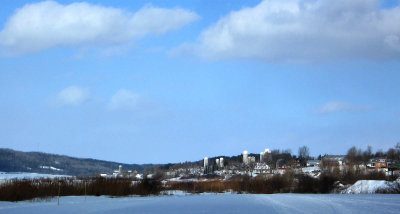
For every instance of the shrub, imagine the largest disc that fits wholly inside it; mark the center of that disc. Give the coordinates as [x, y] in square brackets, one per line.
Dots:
[17, 190]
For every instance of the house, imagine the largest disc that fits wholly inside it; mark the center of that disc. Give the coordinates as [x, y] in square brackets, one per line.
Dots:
[379, 162]
[333, 160]
[261, 168]
[394, 168]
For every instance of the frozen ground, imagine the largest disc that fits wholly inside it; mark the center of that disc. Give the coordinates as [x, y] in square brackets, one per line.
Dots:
[215, 203]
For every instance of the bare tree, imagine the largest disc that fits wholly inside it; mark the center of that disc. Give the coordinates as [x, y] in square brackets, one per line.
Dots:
[392, 154]
[397, 147]
[367, 154]
[304, 152]
[354, 155]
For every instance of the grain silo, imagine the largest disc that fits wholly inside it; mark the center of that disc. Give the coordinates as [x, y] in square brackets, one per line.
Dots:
[262, 157]
[205, 162]
[245, 157]
[221, 162]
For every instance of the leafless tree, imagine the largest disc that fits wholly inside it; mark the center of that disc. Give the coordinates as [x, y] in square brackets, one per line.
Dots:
[304, 152]
[304, 155]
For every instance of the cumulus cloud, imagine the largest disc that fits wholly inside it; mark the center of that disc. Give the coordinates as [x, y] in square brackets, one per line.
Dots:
[338, 106]
[302, 30]
[124, 100]
[48, 24]
[72, 96]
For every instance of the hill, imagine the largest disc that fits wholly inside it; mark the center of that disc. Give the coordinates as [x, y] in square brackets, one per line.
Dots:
[17, 161]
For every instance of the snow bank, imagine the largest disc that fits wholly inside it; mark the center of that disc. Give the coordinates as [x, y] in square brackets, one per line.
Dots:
[310, 169]
[371, 186]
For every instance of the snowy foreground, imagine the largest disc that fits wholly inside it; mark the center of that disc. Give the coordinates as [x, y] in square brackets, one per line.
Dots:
[214, 203]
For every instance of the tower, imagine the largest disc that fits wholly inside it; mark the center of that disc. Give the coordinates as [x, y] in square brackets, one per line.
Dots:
[245, 157]
[205, 162]
[262, 157]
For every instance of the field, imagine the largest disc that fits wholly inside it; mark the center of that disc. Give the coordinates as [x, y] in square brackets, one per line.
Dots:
[24, 175]
[214, 203]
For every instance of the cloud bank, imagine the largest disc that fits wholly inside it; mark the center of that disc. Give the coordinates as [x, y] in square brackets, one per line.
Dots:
[338, 106]
[72, 96]
[48, 24]
[302, 30]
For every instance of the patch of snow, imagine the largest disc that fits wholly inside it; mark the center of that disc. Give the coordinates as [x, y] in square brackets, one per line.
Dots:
[51, 168]
[310, 169]
[180, 179]
[371, 186]
[25, 175]
[174, 179]
[175, 192]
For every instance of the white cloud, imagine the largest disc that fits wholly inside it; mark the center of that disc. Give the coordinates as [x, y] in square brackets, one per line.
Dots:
[48, 24]
[72, 96]
[302, 30]
[124, 100]
[338, 106]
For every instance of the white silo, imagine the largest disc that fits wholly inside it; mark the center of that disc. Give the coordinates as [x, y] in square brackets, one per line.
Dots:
[221, 162]
[217, 162]
[262, 157]
[245, 157]
[205, 162]
[120, 169]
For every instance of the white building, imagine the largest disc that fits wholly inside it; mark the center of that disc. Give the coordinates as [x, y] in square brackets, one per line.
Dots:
[261, 168]
[261, 157]
[205, 162]
[245, 157]
[221, 162]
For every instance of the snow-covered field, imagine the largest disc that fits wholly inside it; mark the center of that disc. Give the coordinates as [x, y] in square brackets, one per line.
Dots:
[310, 169]
[214, 203]
[23, 175]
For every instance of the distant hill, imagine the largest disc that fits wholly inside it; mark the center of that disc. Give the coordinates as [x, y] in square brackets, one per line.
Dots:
[16, 161]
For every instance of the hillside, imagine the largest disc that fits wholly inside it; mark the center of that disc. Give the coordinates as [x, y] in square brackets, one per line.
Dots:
[16, 161]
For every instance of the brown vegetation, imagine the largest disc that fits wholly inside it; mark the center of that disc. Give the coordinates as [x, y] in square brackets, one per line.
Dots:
[17, 190]
[351, 174]
[259, 185]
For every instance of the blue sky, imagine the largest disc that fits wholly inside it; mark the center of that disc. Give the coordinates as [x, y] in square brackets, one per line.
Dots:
[170, 81]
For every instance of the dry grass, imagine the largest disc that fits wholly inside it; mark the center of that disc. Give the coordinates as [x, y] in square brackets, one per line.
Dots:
[17, 190]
